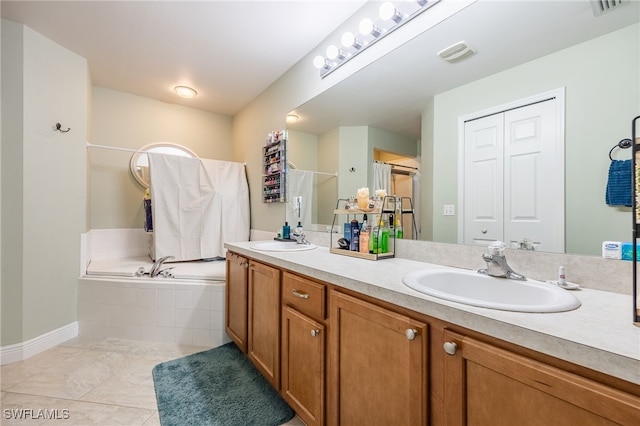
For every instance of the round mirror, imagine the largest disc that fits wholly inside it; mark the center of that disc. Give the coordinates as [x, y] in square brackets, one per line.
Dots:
[139, 163]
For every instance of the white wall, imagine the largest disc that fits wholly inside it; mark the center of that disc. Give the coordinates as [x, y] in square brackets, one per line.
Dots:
[128, 121]
[45, 211]
[602, 97]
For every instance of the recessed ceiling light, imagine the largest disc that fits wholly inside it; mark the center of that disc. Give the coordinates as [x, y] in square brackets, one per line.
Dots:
[185, 92]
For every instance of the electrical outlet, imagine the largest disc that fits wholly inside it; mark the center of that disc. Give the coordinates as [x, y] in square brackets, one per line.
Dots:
[449, 210]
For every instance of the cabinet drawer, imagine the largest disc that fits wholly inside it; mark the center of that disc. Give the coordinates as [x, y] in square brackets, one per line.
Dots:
[305, 295]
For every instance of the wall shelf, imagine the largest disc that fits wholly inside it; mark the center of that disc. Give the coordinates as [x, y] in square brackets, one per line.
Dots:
[274, 168]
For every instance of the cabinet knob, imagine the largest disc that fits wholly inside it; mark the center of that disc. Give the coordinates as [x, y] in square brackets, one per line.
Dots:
[314, 333]
[484, 230]
[411, 333]
[450, 348]
[300, 294]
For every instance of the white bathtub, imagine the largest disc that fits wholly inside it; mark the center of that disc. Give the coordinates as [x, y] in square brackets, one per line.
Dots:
[187, 309]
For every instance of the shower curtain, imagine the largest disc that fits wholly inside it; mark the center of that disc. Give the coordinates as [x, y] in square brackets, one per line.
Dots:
[197, 205]
[381, 177]
[299, 198]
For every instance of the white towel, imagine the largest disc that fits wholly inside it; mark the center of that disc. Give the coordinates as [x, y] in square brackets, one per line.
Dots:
[299, 184]
[198, 204]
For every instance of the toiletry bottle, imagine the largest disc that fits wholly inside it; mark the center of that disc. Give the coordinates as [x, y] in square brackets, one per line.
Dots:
[299, 228]
[384, 237]
[399, 232]
[364, 223]
[562, 280]
[286, 231]
[374, 238]
[365, 234]
[354, 241]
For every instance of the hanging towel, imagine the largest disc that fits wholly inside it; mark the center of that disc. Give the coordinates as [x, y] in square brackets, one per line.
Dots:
[299, 187]
[619, 184]
[198, 204]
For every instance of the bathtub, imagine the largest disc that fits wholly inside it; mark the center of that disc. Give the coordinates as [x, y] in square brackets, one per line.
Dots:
[187, 309]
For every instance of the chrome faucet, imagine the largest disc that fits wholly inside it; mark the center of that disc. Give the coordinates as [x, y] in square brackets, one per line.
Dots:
[299, 236]
[155, 269]
[497, 263]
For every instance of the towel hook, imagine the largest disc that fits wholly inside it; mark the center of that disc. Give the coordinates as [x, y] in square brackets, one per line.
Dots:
[624, 144]
[59, 128]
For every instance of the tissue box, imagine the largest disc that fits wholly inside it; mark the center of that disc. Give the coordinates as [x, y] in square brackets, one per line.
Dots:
[627, 253]
[612, 250]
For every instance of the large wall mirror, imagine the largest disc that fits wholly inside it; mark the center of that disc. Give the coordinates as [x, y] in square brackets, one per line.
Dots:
[523, 48]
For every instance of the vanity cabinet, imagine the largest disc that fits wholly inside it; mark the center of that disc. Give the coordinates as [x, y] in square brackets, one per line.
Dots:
[263, 328]
[303, 347]
[236, 300]
[343, 358]
[377, 365]
[484, 384]
[253, 313]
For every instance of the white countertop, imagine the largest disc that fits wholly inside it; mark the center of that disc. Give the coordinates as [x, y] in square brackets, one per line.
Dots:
[599, 335]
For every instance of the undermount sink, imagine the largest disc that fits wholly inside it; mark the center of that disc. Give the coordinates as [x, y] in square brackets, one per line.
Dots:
[472, 288]
[281, 246]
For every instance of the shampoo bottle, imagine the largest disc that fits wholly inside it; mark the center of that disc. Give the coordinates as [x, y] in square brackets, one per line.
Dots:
[286, 231]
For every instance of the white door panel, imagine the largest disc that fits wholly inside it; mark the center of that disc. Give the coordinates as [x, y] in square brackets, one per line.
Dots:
[483, 185]
[510, 158]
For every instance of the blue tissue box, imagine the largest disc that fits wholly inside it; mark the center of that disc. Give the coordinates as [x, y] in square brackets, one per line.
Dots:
[627, 253]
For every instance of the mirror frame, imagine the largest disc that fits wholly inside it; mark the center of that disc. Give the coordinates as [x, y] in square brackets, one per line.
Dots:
[140, 157]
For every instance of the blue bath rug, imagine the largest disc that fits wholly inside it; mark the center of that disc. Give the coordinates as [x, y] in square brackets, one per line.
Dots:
[218, 387]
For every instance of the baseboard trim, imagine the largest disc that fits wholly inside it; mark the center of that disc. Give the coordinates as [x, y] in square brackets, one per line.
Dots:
[21, 351]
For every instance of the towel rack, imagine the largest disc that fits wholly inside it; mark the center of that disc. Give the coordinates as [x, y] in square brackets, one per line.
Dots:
[624, 144]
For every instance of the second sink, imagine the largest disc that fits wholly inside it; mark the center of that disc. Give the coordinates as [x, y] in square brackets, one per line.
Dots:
[280, 246]
[475, 289]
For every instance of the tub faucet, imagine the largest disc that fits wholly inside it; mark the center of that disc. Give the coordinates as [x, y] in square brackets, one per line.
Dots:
[155, 269]
[497, 265]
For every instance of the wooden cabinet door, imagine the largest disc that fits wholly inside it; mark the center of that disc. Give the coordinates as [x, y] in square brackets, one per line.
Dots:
[236, 300]
[303, 366]
[485, 385]
[264, 321]
[377, 365]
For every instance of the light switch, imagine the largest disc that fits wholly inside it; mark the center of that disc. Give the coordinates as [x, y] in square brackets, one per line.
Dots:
[449, 210]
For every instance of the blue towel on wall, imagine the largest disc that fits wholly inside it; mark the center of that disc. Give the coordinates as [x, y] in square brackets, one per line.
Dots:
[619, 185]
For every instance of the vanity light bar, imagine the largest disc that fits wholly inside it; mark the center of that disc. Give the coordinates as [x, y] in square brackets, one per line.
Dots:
[391, 17]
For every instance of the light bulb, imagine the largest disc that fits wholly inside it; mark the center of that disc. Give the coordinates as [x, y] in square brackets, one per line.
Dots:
[366, 26]
[348, 39]
[388, 11]
[332, 52]
[319, 61]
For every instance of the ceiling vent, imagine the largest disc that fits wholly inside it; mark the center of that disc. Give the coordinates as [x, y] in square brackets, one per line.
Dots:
[603, 6]
[456, 52]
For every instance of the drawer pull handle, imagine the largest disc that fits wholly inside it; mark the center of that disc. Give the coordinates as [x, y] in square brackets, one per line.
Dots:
[450, 348]
[300, 294]
[411, 333]
[314, 333]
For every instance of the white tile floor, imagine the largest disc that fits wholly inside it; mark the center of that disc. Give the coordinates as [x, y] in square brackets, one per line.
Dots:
[88, 382]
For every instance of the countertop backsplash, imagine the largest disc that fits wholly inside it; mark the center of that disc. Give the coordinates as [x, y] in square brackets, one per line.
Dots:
[588, 271]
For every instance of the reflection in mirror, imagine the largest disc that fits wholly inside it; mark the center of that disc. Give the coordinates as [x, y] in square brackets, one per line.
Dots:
[311, 182]
[139, 163]
[424, 97]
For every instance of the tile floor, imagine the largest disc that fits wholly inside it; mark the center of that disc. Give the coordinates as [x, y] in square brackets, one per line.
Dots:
[88, 382]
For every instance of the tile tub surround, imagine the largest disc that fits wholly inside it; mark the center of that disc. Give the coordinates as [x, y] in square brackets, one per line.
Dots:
[598, 335]
[155, 310]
